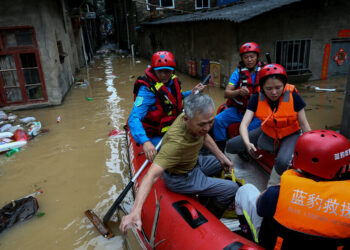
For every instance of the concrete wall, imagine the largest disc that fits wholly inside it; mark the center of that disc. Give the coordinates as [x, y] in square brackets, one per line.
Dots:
[202, 40]
[319, 21]
[220, 40]
[50, 25]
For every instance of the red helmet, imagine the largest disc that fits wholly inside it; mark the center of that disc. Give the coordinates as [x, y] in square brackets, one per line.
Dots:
[321, 153]
[163, 60]
[249, 47]
[273, 69]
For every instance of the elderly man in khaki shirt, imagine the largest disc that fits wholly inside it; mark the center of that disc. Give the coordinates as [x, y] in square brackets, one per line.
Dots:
[184, 170]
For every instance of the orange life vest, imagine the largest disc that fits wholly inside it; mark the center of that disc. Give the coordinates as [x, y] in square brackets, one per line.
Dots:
[280, 123]
[168, 104]
[319, 208]
[245, 80]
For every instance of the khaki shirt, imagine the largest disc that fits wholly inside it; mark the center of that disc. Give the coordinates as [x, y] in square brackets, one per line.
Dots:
[180, 149]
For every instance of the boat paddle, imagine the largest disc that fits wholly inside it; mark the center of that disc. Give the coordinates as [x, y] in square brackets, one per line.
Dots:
[100, 225]
[268, 58]
[205, 81]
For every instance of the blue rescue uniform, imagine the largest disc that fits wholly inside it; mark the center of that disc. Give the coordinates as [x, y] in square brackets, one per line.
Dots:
[145, 102]
[232, 115]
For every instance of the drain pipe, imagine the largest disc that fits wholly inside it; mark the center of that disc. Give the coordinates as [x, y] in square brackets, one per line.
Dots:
[83, 43]
[127, 24]
[132, 54]
[132, 51]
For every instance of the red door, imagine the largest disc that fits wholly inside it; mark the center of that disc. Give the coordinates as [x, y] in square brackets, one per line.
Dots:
[21, 77]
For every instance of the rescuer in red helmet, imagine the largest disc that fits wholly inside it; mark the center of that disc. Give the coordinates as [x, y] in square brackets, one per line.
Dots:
[157, 102]
[281, 112]
[243, 82]
[310, 209]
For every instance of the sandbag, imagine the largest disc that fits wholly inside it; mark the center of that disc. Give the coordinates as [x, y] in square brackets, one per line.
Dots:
[18, 211]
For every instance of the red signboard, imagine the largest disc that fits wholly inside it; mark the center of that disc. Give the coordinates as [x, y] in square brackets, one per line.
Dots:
[344, 33]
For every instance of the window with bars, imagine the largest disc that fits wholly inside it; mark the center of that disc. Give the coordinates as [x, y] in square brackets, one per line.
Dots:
[31, 76]
[202, 4]
[160, 4]
[294, 55]
[21, 77]
[9, 77]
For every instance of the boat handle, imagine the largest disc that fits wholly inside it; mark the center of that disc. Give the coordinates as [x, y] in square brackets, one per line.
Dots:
[192, 211]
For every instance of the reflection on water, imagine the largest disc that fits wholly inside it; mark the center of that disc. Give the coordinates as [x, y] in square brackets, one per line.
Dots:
[77, 165]
[80, 167]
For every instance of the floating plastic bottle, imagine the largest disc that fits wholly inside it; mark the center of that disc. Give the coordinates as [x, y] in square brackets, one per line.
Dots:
[14, 128]
[5, 135]
[34, 129]
[58, 119]
[3, 115]
[5, 127]
[11, 152]
[12, 117]
[27, 119]
[89, 99]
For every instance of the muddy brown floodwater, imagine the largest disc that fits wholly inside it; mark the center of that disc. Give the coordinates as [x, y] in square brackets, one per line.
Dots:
[79, 167]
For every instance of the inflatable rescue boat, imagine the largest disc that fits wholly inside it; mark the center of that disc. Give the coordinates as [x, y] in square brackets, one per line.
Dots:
[175, 221]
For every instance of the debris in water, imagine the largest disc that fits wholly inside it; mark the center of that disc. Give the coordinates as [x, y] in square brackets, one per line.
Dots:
[27, 119]
[115, 132]
[317, 89]
[40, 214]
[11, 152]
[3, 115]
[18, 211]
[34, 129]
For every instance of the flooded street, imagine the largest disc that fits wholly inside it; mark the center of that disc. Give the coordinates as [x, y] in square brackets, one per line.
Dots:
[324, 109]
[79, 166]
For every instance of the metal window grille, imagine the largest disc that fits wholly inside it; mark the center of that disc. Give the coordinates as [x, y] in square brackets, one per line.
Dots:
[31, 76]
[161, 3]
[294, 55]
[202, 4]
